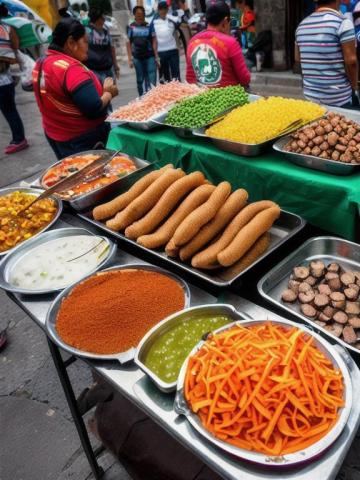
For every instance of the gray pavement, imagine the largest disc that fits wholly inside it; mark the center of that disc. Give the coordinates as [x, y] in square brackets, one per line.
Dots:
[38, 440]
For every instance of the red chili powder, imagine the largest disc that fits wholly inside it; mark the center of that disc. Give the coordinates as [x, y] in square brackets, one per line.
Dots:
[110, 312]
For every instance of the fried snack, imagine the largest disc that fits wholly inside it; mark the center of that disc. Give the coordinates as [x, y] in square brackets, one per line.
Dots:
[208, 257]
[164, 206]
[202, 215]
[110, 209]
[227, 212]
[144, 202]
[248, 235]
[164, 233]
[259, 247]
[171, 249]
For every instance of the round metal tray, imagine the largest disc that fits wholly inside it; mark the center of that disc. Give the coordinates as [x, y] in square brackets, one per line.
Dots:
[122, 357]
[15, 257]
[36, 192]
[303, 456]
[56, 164]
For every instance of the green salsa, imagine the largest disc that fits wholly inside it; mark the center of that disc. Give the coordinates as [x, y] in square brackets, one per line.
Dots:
[168, 352]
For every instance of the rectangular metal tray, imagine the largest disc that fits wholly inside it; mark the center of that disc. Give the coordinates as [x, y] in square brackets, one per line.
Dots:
[287, 225]
[83, 202]
[244, 149]
[184, 132]
[145, 126]
[328, 249]
[315, 163]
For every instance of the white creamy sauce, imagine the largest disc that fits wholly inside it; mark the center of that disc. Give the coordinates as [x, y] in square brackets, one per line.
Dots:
[47, 266]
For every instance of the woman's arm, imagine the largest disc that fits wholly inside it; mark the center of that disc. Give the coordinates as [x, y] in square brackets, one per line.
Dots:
[239, 66]
[129, 54]
[155, 48]
[89, 101]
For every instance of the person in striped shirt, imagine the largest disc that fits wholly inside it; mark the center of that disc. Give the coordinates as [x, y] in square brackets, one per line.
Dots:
[326, 48]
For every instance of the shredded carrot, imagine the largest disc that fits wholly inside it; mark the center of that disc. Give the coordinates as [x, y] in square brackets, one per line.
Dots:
[265, 388]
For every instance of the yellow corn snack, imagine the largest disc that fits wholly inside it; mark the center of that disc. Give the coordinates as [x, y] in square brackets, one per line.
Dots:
[264, 119]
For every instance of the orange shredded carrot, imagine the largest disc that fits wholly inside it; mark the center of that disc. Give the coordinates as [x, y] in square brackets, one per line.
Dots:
[265, 388]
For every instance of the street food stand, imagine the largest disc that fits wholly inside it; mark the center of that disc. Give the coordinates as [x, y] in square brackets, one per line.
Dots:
[326, 201]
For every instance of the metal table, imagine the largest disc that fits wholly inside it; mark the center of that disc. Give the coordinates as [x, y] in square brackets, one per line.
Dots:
[134, 385]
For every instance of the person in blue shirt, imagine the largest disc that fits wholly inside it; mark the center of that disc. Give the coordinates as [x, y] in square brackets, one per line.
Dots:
[142, 50]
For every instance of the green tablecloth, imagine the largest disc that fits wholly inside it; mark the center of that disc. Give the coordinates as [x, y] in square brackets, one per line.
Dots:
[327, 201]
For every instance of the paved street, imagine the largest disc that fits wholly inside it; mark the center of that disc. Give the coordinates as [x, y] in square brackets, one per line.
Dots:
[38, 438]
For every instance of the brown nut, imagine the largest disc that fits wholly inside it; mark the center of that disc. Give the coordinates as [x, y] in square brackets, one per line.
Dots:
[352, 308]
[324, 146]
[301, 273]
[318, 140]
[340, 148]
[349, 334]
[335, 328]
[340, 317]
[294, 285]
[320, 129]
[307, 297]
[333, 138]
[347, 278]
[308, 310]
[329, 311]
[316, 151]
[304, 287]
[324, 289]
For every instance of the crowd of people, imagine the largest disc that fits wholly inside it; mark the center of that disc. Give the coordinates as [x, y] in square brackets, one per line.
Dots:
[75, 82]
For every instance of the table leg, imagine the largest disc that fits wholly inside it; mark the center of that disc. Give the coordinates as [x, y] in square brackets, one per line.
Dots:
[71, 400]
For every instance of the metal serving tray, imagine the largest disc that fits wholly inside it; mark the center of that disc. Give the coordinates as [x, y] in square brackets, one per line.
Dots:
[35, 192]
[167, 324]
[16, 257]
[184, 132]
[289, 460]
[284, 228]
[83, 202]
[328, 249]
[146, 125]
[316, 163]
[122, 357]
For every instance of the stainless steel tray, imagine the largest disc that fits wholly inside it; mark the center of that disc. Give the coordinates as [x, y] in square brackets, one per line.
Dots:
[284, 228]
[328, 249]
[36, 192]
[87, 200]
[289, 460]
[315, 163]
[146, 125]
[165, 325]
[184, 132]
[122, 357]
[16, 257]
[244, 149]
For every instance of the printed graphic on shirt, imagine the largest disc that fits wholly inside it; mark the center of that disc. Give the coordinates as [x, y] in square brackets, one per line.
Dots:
[206, 65]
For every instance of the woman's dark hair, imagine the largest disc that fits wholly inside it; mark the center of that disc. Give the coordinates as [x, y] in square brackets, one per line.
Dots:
[4, 12]
[95, 14]
[67, 27]
[138, 7]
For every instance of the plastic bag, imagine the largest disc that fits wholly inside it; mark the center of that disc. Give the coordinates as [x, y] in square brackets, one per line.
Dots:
[23, 70]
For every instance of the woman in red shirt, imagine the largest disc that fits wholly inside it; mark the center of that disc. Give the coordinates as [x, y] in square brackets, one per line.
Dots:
[214, 58]
[71, 99]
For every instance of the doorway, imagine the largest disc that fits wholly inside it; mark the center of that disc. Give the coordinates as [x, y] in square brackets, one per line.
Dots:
[295, 12]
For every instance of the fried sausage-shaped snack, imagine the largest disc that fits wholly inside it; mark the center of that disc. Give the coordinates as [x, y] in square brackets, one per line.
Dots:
[259, 247]
[227, 212]
[171, 249]
[248, 235]
[164, 233]
[144, 202]
[202, 215]
[110, 209]
[209, 255]
[167, 202]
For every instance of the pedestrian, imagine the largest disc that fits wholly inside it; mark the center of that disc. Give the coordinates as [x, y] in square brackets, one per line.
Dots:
[101, 55]
[9, 44]
[247, 22]
[165, 26]
[142, 50]
[71, 99]
[326, 49]
[214, 58]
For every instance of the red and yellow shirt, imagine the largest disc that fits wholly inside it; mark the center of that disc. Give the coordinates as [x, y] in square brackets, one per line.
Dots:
[55, 78]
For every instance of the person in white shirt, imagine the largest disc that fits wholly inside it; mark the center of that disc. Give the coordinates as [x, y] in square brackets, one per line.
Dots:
[165, 26]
